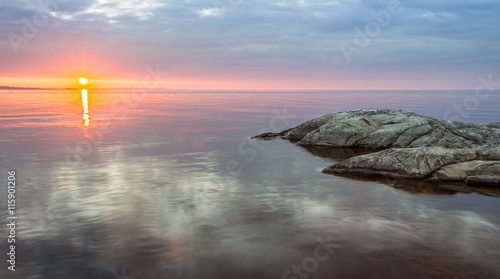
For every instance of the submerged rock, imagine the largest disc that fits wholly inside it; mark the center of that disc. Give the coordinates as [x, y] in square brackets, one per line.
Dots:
[416, 146]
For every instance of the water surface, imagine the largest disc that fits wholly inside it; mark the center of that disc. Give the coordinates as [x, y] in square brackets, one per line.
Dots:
[168, 185]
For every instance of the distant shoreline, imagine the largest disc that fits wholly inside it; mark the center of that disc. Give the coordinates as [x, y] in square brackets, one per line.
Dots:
[31, 88]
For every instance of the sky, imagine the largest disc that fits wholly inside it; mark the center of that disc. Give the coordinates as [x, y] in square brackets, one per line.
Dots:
[250, 45]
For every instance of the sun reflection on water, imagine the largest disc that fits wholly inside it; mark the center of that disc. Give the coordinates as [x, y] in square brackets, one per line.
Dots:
[85, 104]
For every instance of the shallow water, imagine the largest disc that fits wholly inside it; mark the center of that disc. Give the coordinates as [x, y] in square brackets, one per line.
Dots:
[168, 185]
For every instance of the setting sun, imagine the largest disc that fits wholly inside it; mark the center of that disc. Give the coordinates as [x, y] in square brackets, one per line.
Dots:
[83, 80]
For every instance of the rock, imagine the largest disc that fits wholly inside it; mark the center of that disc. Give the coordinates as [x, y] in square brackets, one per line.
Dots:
[492, 180]
[456, 172]
[335, 153]
[432, 163]
[270, 135]
[384, 128]
[488, 153]
[435, 163]
[416, 163]
[461, 171]
[415, 146]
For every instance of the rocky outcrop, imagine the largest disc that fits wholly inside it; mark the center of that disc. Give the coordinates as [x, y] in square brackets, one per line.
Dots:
[419, 162]
[431, 163]
[384, 128]
[472, 172]
[416, 146]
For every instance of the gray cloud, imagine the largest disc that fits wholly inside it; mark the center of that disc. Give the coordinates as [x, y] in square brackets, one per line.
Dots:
[197, 36]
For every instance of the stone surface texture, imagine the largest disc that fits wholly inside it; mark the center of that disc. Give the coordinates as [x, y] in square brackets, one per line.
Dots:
[414, 146]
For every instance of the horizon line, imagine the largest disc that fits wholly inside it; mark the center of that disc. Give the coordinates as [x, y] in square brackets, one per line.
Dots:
[3, 88]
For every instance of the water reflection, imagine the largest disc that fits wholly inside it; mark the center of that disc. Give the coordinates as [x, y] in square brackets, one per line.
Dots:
[175, 218]
[85, 105]
[154, 200]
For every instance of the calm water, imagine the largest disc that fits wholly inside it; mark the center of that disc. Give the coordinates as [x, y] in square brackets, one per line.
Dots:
[169, 186]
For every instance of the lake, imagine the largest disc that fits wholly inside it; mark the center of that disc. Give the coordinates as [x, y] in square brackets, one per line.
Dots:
[111, 184]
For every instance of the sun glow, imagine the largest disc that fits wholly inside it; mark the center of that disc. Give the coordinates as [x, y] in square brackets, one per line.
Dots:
[83, 80]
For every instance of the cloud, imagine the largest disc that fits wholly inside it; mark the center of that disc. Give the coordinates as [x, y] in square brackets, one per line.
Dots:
[234, 37]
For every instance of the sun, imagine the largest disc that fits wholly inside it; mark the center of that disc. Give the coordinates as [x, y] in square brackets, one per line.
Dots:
[83, 80]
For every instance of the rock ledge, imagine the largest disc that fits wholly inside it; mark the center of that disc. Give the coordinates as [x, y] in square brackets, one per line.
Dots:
[416, 146]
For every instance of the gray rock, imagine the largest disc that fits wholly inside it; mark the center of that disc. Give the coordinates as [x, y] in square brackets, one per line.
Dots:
[415, 163]
[461, 171]
[416, 146]
[491, 180]
[456, 172]
[384, 128]
[488, 153]
[431, 163]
